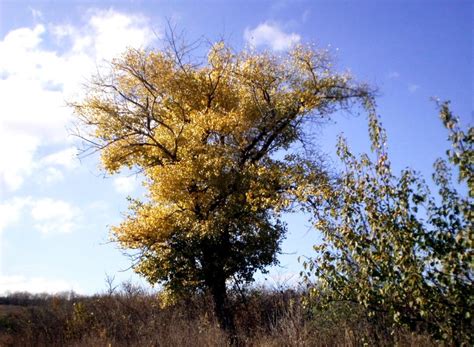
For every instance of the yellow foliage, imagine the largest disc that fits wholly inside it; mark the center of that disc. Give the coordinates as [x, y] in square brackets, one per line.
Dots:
[204, 137]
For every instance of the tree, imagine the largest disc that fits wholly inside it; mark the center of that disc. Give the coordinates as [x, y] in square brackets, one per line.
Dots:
[393, 247]
[204, 137]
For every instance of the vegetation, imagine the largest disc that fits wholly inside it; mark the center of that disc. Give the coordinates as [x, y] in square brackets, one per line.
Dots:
[395, 268]
[215, 144]
[130, 316]
[204, 137]
[396, 249]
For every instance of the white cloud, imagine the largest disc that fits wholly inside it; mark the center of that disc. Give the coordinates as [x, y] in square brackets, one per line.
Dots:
[125, 185]
[10, 213]
[115, 31]
[61, 31]
[54, 216]
[36, 82]
[66, 158]
[270, 35]
[16, 153]
[11, 284]
[53, 175]
[11, 210]
[50, 215]
[24, 38]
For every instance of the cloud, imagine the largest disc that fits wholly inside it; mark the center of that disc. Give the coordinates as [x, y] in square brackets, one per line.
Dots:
[10, 213]
[11, 210]
[53, 175]
[412, 88]
[270, 35]
[54, 216]
[125, 185]
[36, 82]
[16, 153]
[66, 158]
[34, 285]
[115, 31]
[106, 34]
[50, 215]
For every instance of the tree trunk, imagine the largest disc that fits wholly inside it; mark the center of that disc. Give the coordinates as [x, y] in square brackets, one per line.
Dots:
[222, 308]
[215, 281]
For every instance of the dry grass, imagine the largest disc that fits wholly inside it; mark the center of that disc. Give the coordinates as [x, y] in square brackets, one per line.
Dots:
[133, 317]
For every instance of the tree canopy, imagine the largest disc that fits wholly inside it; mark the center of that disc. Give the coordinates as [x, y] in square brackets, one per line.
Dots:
[204, 135]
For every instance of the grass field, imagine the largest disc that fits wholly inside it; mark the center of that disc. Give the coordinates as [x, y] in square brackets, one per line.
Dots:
[132, 316]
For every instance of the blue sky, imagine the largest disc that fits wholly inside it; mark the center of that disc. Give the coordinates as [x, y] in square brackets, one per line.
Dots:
[55, 209]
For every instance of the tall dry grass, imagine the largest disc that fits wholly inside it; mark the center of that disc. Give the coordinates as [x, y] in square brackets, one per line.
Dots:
[132, 316]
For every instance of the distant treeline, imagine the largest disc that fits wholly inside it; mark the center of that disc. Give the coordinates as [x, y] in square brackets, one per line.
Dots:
[34, 299]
